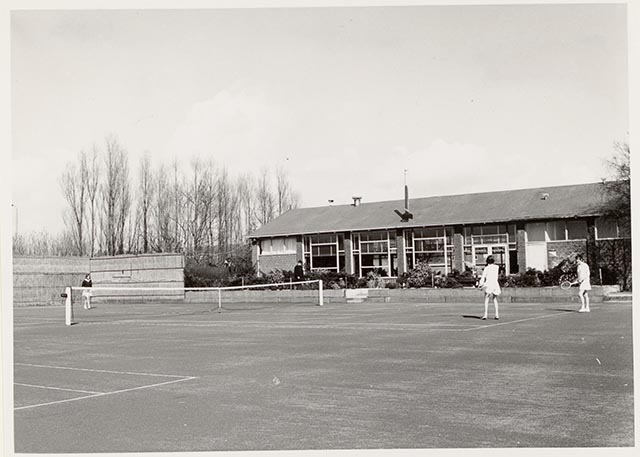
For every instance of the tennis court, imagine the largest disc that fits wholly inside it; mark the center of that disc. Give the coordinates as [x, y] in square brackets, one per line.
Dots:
[340, 376]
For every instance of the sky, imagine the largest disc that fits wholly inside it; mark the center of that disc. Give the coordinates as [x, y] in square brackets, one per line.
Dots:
[345, 99]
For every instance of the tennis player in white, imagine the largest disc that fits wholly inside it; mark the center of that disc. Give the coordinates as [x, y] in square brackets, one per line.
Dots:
[584, 282]
[489, 283]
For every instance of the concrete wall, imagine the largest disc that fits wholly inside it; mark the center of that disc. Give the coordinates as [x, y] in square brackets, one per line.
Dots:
[144, 270]
[470, 295]
[41, 280]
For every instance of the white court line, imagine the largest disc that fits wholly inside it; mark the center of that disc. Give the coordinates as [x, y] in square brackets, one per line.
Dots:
[512, 322]
[103, 394]
[99, 371]
[307, 325]
[57, 388]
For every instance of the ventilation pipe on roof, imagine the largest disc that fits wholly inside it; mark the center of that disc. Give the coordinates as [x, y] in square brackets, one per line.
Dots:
[356, 201]
[544, 196]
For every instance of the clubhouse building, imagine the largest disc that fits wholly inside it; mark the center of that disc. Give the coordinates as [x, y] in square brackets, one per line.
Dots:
[526, 228]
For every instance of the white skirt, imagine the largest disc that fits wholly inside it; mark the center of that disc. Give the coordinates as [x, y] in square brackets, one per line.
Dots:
[492, 289]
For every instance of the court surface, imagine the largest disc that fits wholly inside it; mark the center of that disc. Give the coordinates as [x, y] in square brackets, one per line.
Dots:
[341, 376]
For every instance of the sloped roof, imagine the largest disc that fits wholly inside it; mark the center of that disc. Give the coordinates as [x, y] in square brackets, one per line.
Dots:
[579, 200]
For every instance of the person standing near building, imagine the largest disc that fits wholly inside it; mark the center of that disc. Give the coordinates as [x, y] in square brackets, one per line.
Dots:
[584, 283]
[86, 293]
[298, 272]
[489, 283]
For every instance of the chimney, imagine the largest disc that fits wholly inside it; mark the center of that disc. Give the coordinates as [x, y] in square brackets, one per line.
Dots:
[356, 201]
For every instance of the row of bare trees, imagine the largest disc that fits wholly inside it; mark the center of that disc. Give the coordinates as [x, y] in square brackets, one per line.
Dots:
[195, 207]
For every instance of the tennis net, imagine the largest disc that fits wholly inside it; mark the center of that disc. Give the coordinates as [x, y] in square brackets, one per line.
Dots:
[139, 302]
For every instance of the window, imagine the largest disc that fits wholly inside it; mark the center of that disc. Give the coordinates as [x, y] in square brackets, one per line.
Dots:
[324, 251]
[377, 252]
[486, 234]
[576, 230]
[606, 228]
[536, 231]
[433, 246]
[281, 245]
[555, 230]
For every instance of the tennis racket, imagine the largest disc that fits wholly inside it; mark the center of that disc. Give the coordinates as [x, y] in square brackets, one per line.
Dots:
[566, 285]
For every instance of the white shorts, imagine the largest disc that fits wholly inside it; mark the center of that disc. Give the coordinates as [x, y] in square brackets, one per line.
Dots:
[86, 293]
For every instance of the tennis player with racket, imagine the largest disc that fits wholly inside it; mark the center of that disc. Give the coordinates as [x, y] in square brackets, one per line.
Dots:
[584, 274]
[584, 283]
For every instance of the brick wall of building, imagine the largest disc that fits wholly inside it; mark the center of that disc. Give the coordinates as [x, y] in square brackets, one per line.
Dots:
[521, 248]
[269, 263]
[557, 251]
[458, 252]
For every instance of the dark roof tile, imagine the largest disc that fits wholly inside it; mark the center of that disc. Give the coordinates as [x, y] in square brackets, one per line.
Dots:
[578, 200]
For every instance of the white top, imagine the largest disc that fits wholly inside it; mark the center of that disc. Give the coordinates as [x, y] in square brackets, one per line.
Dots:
[584, 274]
[489, 279]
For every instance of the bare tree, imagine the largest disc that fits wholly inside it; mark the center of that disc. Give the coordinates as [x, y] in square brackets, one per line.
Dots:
[163, 241]
[618, 186]
[115, 195]
[74, 188]
[146, 191]
[264, 198]
[92, 174]
[246, 196]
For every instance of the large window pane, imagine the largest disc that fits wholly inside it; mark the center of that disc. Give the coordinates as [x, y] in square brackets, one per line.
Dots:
[535, 231]
[577, 230]
[606, 228]
[555, 230]
[325, 262]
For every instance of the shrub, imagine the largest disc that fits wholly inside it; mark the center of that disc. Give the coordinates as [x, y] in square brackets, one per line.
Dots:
[420, 275]
[333, 279]
[374, 280]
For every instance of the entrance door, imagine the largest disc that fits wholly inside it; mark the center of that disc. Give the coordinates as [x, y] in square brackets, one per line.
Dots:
[500, 253]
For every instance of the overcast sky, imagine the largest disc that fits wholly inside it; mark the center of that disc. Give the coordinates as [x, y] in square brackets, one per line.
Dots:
[466, 98]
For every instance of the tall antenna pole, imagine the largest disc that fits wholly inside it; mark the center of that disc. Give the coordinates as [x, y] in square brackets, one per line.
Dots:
[406, 191]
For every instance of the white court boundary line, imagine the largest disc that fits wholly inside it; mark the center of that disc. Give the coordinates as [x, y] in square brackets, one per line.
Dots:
[56, 388]
[99, 371]
[98, 394]
[513, 322]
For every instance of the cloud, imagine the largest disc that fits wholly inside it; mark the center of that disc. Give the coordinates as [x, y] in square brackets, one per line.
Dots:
[238, 127]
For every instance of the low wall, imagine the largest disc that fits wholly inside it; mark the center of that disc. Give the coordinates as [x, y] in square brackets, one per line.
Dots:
[41, 280]
[509, 295]
[143, 270]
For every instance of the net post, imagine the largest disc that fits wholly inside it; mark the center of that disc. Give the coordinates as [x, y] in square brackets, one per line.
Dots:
[219, 300]
[320, 295]
[68, 307]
